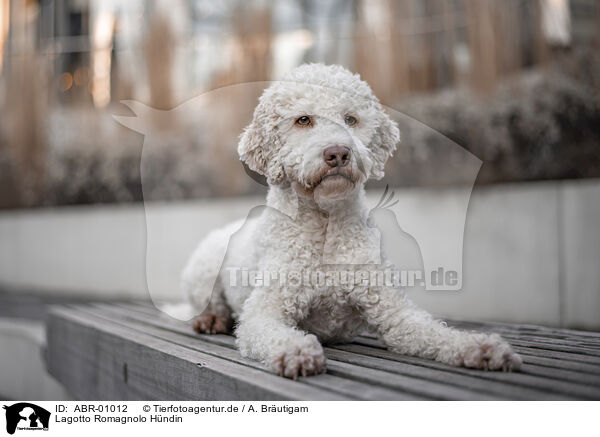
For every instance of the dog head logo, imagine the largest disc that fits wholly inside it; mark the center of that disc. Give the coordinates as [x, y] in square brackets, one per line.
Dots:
[431, 226]
[26, 416]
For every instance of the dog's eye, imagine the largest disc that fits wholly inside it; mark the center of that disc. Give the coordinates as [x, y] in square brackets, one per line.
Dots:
[304, 121]
[350, 120]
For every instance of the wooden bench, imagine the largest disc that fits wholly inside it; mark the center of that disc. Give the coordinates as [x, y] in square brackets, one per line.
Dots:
[128, 351]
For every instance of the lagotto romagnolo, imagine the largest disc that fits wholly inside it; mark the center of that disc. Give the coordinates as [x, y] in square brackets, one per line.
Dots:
[317, 135]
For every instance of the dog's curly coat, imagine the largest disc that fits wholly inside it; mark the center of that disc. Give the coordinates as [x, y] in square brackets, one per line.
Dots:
[316, 214]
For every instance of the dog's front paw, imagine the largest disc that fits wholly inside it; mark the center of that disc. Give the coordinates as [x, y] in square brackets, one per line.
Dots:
[300, 360]
[209, 323]
[490, 352]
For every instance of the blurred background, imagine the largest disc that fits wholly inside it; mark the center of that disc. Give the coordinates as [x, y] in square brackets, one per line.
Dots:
[516, 83]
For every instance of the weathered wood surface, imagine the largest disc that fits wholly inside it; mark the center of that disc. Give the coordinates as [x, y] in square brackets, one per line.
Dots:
[132, 351]
[25, 304]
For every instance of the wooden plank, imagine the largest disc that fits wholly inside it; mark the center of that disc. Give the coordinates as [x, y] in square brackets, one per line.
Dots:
[491, 388]
[523, 349]
[558, 363]
[554, 342]
[562, 388]
[97, 360]
[401, 382]
[437, 391]
[571, 345]
[499, 390]
[539, 333]
[470, 378]
[25, 304]
[528, 328]
[415, 386]
[365, 370]
[550, 337]
[534, 344]
[560, 370]
[528, 369]
[558, 355]
[224, 347]
[582, 368]
[586, 339]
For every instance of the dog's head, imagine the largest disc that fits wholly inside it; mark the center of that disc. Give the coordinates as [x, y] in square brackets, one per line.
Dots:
[320, 129]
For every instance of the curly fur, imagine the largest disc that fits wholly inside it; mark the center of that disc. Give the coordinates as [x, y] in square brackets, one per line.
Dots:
[315, 218]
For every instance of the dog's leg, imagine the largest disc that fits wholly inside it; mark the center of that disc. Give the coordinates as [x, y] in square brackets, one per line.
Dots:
[211, 323]
[265, 335]
[407, 329]
[216, 318]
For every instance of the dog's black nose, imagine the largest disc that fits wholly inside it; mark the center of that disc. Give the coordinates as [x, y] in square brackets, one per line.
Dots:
[337, 156]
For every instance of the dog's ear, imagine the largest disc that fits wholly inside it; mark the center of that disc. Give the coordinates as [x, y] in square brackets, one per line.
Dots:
[387, 137]
[260, 143]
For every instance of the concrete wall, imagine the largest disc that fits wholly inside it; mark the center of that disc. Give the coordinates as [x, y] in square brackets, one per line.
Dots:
[531, 251]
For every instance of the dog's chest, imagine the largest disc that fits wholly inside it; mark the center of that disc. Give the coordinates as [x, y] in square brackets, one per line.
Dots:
[316, 242]
[317, 259]
[331, 318]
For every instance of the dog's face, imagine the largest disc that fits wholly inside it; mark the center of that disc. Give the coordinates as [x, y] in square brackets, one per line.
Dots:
[320, 129]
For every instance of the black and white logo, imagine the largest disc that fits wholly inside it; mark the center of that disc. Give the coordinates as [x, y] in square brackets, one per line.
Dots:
[26, 416]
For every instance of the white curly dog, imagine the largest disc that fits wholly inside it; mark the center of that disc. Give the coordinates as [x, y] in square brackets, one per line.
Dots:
[317, 135]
